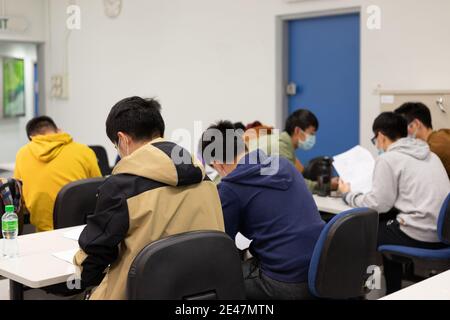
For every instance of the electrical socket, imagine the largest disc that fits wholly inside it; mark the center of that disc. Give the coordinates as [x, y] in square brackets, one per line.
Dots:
[59, 86]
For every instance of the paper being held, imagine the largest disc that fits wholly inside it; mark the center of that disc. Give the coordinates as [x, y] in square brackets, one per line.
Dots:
[356, 167]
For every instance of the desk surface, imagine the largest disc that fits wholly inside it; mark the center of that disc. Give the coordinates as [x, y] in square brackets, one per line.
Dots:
[435, 288]
[331, 205]
[7, 166]
[36, 267]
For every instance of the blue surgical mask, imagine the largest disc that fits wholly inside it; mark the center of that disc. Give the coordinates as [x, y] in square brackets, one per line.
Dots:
[309, 143]
[380, 152]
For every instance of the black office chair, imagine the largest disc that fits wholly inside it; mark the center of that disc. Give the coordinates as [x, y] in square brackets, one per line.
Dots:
[102, 158]
[190, 266]
[345, 250]
[75, 202]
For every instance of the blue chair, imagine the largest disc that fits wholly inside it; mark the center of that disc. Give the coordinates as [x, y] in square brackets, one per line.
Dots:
[423, 263]
[341, 258]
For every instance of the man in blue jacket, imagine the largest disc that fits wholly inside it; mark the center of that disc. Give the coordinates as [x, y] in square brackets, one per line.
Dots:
[273, 208]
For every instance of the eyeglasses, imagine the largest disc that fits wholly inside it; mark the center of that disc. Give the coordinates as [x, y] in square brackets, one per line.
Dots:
[374, 140]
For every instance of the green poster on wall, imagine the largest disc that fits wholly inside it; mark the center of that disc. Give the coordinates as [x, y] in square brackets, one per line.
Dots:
[13, 87]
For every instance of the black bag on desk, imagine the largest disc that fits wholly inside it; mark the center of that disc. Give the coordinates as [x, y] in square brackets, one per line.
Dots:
[11, 194]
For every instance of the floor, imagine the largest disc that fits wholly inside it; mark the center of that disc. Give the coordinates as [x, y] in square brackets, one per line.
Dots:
[40, 295]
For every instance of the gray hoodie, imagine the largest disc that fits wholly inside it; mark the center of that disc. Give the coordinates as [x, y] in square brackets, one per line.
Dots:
[412, 179]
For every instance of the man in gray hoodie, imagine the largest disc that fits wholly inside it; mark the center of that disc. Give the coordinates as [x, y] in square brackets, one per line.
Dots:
[410, 178]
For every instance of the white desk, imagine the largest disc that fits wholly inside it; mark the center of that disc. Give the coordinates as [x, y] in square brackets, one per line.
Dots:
[331, 205]
[7, 166]
[36, 267]
[435, 288]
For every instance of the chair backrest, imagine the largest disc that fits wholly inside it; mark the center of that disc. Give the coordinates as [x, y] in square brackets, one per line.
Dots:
[75, 202]
[102, 158]
[203, 265]
[444, 222]
[345, 249]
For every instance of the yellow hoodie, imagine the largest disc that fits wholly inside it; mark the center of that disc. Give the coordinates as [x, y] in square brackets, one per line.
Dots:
[47, 164]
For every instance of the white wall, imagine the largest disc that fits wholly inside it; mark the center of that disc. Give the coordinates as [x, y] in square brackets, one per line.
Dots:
[21, 45]
[12, 131]
[34, 11]
[214, 59]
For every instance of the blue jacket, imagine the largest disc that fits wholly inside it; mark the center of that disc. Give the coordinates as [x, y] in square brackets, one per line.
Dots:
[277, 212]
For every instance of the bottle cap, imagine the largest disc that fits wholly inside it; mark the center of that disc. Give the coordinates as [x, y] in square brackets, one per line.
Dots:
[9, 209]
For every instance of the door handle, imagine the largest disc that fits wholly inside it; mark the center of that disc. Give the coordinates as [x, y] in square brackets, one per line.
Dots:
[291, 89]
[440, 104]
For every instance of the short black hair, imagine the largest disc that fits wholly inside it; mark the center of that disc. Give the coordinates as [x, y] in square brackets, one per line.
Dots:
[392, 125]
[416, 110]
[303, 119]
[140, 118]
[39, 125]
[239, 125]
[225, 151]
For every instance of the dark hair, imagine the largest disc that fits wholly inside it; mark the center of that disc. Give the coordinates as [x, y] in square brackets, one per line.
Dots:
[303, 119]
[392, 125]
[226, 150]
[40, 125]
[140, 118]
[239, 125]
[416, 110]
[254, 124]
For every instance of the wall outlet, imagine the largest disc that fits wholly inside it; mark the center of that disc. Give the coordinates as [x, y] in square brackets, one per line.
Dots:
[59, 87]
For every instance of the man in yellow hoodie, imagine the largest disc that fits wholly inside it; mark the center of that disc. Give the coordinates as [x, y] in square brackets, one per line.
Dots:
[45, 165]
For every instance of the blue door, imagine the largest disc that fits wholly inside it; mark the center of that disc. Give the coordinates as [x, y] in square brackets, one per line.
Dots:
[36, 90]
[324, 63]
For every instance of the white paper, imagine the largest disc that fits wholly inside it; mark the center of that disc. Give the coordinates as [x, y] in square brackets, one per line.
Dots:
[356, 167]
[242, 243]
[74, 234]
[66, 255]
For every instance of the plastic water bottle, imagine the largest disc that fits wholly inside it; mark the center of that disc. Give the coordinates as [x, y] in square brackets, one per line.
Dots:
[10, 231]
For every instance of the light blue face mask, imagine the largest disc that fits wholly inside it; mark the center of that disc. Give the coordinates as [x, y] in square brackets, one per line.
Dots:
[414, 134]
[309, 143]
[380, 152]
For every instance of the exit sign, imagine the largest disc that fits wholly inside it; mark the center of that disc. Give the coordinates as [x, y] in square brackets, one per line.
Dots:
[13, 24]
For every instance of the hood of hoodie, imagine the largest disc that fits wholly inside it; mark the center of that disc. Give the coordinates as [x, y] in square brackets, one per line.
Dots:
[47, 147]
[252, 174]
[412, 147]
[164, 162]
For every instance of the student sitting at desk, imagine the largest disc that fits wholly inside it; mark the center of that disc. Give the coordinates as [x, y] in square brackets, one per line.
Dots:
[149, 196]
[420, 126]
[409, 178]
[300, 133]
[50, 161]
[273, 208]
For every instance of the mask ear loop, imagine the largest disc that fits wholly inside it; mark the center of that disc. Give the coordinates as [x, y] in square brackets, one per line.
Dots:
[127, 149]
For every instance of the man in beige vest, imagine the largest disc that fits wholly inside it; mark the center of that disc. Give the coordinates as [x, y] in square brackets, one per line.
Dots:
[151, 195]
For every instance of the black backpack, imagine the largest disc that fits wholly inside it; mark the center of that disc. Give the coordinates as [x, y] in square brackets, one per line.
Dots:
[11, 194]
